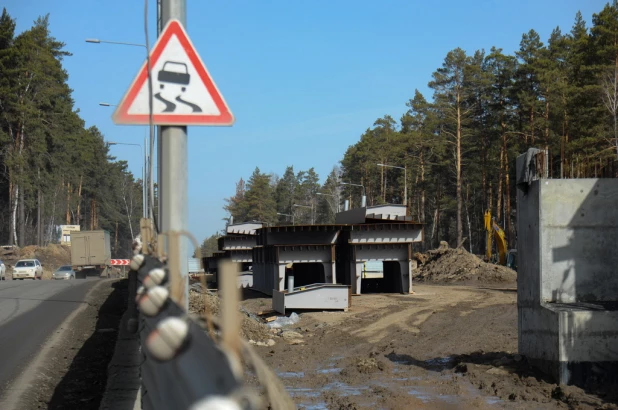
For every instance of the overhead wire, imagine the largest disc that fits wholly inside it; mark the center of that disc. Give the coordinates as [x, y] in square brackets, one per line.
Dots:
[150, 118]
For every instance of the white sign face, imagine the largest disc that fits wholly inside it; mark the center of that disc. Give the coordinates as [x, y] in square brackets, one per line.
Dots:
[183, 91]
[177, 87]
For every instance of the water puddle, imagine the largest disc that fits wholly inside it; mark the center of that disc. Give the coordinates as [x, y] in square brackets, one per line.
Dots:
[285, 375]
[331, 370]
[422, 388]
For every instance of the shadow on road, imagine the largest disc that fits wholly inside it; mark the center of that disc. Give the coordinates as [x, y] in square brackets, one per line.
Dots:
[83, 386]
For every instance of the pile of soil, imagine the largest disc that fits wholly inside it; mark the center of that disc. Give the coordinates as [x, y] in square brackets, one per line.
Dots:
[252, 328]
[458, 265]
[51, 257]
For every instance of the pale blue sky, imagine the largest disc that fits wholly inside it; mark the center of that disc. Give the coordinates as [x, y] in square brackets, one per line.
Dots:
[303, 78]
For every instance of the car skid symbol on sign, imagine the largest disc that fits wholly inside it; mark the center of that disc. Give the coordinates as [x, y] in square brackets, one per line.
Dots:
[174, 76]
[182, 77]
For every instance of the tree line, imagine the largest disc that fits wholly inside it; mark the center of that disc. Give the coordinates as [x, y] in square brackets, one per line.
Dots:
[458, 147]
[53, 169]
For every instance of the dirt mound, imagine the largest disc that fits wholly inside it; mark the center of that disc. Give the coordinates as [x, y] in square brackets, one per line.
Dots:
[457, 265]
[251, 329]
[51, 257]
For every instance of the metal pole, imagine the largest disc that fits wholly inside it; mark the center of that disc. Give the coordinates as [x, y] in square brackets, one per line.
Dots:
[145, 181]
[405, 186]
[173, 170]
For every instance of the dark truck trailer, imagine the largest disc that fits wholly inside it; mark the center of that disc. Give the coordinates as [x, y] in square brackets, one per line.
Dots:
[90, 253]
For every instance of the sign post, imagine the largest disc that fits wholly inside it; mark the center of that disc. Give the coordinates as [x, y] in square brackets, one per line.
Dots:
[183, 94]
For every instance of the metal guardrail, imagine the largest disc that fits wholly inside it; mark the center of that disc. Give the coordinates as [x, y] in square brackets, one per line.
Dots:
[199, 372]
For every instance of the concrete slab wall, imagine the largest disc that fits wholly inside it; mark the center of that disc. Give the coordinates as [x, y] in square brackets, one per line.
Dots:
[352, 216]
[588, 336]
[388, 209]
[538, 334]
[567, 286]
[579, 222]
[358, 215]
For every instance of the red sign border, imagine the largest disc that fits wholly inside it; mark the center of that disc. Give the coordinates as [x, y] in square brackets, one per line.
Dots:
[121, 114]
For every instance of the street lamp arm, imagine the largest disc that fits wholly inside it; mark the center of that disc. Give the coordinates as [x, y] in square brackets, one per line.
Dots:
[389, 166]
[124, 143]
[97, 41]
[362, 186]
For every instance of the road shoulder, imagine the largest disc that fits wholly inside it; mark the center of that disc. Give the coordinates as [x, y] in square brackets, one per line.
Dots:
[70, 370]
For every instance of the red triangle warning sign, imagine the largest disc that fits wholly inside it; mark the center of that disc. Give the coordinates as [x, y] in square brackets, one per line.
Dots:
[183, 91]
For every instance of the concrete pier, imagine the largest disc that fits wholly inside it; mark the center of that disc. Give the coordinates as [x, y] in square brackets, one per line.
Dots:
[567, 276]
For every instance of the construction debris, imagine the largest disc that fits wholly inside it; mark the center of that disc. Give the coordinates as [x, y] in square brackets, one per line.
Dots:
[252, 327]
[457, 265]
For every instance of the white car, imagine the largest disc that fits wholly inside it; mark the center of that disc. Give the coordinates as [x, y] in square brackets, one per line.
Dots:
[2, 271]
[64, 272]
[28, 269]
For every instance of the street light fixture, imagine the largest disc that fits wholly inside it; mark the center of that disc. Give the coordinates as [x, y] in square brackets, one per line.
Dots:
[104, 104]
[405, 181]
[144, 189]
[98, 41]
[306, 206]
[149, 166]
[334, 196]
[362, 186]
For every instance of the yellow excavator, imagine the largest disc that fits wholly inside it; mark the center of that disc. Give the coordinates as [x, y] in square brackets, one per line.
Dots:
[495, 233]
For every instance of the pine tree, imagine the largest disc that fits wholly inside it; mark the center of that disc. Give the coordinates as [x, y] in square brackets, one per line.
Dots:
[259, 199]
[451, 92]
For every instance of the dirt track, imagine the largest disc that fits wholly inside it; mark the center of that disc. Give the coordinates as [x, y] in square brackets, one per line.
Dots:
[445, 347]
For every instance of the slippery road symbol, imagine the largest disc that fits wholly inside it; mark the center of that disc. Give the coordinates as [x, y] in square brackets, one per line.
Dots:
[175, 73]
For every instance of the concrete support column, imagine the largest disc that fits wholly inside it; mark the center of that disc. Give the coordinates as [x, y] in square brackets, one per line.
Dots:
[406, 275]
[280, 278]
[357, 271]
[333, 270]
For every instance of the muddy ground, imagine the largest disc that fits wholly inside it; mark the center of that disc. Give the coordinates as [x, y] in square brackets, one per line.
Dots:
[444, 347]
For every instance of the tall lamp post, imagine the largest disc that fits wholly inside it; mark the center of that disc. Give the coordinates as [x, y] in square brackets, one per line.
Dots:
[146, 174]
[149, 166]
[144, 196]
[306, 206]
[405, 181]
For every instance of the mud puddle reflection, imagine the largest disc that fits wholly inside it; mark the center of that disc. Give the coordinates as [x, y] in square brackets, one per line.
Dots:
[425, 390]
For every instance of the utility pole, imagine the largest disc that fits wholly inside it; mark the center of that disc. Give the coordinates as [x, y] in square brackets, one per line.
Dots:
[145, 181]
[172, 161]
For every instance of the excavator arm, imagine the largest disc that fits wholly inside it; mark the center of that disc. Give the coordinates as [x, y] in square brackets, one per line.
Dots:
[494, 232]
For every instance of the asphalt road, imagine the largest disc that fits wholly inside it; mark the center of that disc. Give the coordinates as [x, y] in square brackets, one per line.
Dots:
[30, 311]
